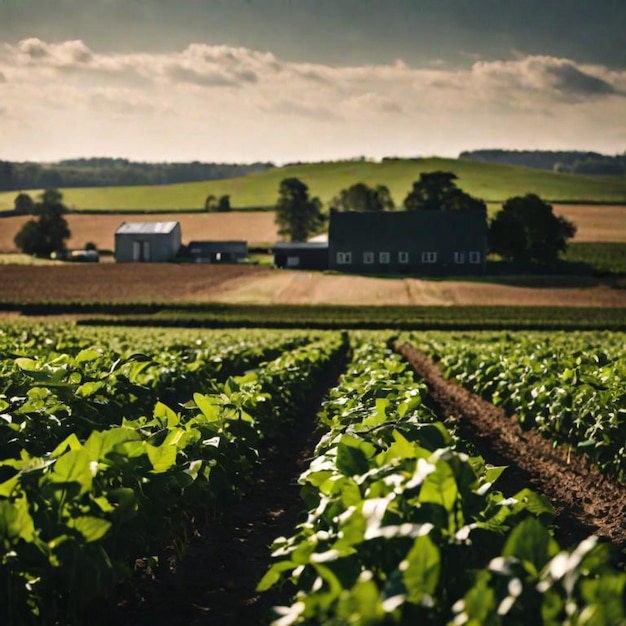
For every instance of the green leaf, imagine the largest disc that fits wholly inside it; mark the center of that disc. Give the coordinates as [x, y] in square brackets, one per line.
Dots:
[73, 467]
[440, 487]
[421, 569]
[207, 406]
[89, 354]
[92, 528]
[15, 521]
[531, 542]
[162, 457]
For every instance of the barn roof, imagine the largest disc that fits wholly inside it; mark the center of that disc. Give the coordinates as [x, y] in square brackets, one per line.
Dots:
[301, 245]
[155, 228]
[218, 246]
[407, 228]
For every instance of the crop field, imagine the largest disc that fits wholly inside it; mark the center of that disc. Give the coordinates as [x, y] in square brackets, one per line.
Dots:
[254, 476]
[493, 183]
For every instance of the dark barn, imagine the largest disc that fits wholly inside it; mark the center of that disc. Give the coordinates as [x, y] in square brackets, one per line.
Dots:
[301, 255]
[431, 243]
[218, 251]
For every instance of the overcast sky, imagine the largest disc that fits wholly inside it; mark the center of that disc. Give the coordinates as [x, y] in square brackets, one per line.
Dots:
[284, 80]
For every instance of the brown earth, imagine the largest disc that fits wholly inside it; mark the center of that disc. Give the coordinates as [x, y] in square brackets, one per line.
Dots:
[584, 500]
[599, 223]
[251, 226]
[249, 284]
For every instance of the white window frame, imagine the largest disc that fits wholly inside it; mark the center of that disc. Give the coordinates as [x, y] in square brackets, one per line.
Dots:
[368, 258]
[429, 257]
[403, 257]
[459, 257]
[344, 258]
[384, 258]
[475, 257]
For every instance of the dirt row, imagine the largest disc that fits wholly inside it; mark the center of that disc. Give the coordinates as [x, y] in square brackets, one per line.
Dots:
[585, 501]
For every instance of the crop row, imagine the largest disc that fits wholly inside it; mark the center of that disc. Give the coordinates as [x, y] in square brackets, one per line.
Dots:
[75, 518]
[570, 386]
[404, 526]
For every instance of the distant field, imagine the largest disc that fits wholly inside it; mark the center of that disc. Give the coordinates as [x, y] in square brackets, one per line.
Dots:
[178, 284]
[254, 227]
[493, 183]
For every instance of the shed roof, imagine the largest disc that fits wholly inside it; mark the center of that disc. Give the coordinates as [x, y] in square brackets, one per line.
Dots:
[301, 245]
[218, 246]
[156, 228]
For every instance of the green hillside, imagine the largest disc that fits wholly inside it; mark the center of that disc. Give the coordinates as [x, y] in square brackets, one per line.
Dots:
[493, 183]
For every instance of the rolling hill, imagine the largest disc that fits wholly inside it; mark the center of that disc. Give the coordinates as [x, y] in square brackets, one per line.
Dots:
[492, 182]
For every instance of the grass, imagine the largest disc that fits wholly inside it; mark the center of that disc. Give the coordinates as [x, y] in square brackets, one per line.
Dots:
[494, 183]
[609, 258]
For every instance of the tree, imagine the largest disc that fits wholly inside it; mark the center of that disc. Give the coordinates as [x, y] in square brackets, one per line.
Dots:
[49, 232]
[297, 216]
[437, 191]
[223, 206]
[210, 204]
[24, 204]
[360, 197]
[526, 230]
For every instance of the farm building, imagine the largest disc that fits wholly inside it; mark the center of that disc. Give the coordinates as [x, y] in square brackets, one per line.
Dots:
[301, 255]
[416, 242]
[218, 251]
[147, 242]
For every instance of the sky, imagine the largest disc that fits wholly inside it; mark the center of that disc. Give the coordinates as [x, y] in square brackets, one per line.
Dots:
[309, 80]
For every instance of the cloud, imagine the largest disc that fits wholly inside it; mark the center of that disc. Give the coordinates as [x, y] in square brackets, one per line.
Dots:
[253, 105]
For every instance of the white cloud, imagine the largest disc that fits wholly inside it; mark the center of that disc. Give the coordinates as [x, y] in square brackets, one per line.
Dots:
[227, 103]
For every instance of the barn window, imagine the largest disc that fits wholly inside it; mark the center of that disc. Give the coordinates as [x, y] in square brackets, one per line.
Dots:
[474, 257]
[429, 257]
[293, 261]
[383, 257]
[344, 258]
[459, 257]
[368, 258]
[403, 257]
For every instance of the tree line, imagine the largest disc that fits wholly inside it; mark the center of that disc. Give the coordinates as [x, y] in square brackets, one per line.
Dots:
[110, 172]
[524, 231]
[572, 161]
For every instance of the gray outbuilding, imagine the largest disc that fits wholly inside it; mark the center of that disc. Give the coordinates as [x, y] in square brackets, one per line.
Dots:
[218, 251]
[140, 242]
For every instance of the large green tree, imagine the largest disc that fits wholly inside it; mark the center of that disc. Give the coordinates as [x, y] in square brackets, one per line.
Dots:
[437, 191]
[360, 197]
[49, 232]
[297, 216]
[526, 230]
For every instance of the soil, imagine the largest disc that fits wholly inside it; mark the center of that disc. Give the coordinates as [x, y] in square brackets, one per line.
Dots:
[255, 284]
[584, 500]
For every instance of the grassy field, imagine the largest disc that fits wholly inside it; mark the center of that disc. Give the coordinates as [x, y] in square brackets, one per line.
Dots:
[493, 183]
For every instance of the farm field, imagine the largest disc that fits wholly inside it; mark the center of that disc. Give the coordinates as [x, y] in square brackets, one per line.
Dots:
[253, 226]
[596, 223]
[244, 285]
[493, 183]
[402, 473]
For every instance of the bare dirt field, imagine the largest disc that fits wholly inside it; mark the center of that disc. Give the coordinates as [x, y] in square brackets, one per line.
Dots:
[238, 284]
[596, 223]
[251, 226]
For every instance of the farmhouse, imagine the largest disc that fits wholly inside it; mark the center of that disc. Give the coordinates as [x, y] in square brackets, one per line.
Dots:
[411, 242]
[147, 242]
[218, 251]
[301, 255]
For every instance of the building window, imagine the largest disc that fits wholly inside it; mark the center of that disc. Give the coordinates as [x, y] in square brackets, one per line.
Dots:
[384, 257]
[474, 257]
[344, 258]
[403, 257]
[293, 261]
[459, 257]
[429, 257]
[368, 258]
